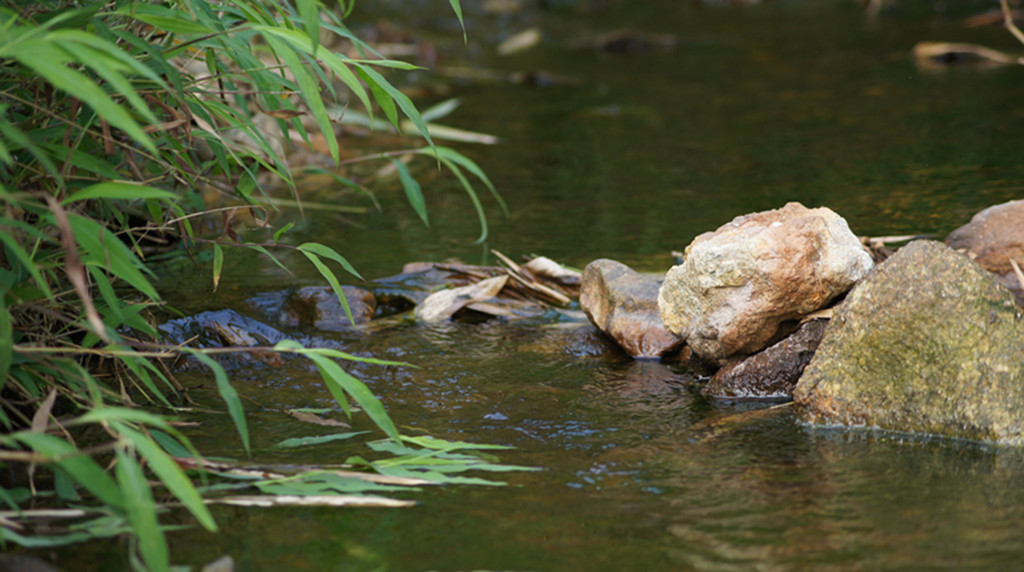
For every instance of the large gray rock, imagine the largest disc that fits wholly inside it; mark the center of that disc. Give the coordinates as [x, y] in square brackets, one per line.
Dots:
[992, 238]
[740, 283]
[929, 342]
[624, 305]
[772, 372]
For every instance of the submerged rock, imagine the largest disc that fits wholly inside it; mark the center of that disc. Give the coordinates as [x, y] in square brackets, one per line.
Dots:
[318, 307]
[739, 284]
[624, 305]
[772, 372]
[993, 238]
[928, 342]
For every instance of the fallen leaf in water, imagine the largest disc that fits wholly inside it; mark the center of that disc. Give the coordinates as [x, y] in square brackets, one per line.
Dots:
[951, 53]
[544, 267]
[520, 42]
[441, 305]
[307, 417]
[438, 131]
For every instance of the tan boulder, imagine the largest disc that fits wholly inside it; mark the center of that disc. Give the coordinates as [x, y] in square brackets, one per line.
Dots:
[739, 284]
[624, 305]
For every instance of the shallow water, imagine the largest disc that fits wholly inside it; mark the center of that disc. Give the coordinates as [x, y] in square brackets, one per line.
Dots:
[756, 106]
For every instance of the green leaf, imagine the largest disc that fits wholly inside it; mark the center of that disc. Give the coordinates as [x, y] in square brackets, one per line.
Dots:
[310, 91]
[163, 18]
[104, 249]
[228, 394]
[458, 12]
[403, 101]
[333, 281]
[310, 12]
[328, 252]
[281, 231]
[334, 375]
[46, 59]
[413, 192]
[112, 190]
[30, 266]
[79, 466]
[218, 264]
[306, 441]
[6, 341]
[170, 475]
[141, 512]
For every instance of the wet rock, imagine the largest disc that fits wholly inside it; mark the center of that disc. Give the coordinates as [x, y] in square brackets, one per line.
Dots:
[741, 284]
[927, 342]
[993, 238]
[624, 305]
[226, 328]
[318, 307]
[772, 372]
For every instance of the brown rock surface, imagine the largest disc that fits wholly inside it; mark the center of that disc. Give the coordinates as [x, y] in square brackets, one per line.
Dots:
[993, 237]
[318, 307]
[624, 305]
[739, 284]
[772, 372]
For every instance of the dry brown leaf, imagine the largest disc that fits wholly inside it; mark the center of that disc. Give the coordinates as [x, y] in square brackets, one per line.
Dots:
[441, 305]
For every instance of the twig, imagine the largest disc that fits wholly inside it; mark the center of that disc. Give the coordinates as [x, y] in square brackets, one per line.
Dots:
[1016, 270]
[1008, 22]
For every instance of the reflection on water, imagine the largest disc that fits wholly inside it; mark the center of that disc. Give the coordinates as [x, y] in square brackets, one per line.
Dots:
[755, 106]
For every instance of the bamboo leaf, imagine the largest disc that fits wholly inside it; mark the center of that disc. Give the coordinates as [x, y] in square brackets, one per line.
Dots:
[413, 192]
[328, 252]
[306, 441]
[114, 190]
[310, 12]
[333, 281]
[104, 249]
[310, 91]
[402, 100]
[82, 468]
[228, 394]
[26, 261]
[218, 263]
[333, 374]
[141, 511]
[458, 12]
[45, 59]
[6, 341]
[170, 475]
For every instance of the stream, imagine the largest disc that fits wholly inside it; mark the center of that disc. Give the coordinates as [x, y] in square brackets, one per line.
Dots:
[755, 105]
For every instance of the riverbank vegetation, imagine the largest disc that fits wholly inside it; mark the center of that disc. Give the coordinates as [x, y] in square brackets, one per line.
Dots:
[118, 122]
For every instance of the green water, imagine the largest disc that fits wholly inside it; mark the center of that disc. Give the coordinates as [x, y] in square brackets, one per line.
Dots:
[756, 106]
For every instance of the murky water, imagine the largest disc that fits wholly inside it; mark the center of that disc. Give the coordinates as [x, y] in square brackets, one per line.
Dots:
[756, 106]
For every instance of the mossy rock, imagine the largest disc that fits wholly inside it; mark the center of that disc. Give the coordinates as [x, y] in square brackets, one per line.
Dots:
[928, 342]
